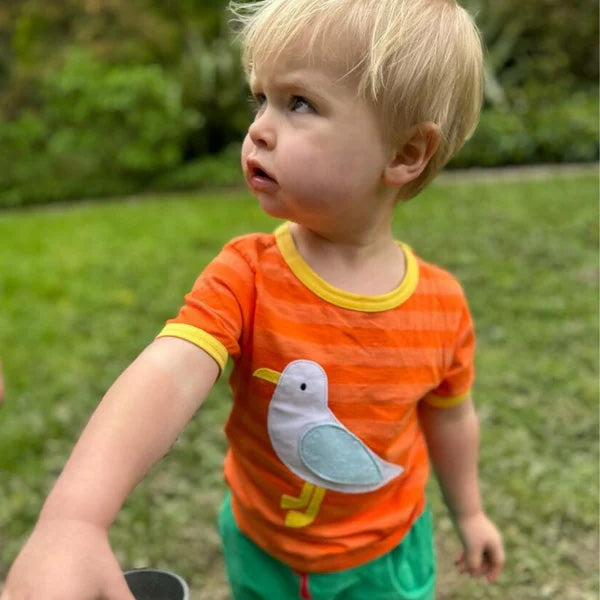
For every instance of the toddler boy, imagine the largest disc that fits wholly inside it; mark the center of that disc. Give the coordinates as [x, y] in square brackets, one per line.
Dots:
[353, 358]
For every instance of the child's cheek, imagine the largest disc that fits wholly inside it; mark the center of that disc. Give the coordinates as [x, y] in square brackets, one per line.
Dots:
[246, 147]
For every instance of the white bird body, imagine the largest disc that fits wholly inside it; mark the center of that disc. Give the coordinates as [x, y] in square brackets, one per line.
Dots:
[312, 442]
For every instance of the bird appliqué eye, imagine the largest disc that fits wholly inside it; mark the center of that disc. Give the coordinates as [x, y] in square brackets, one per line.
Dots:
[302, 386]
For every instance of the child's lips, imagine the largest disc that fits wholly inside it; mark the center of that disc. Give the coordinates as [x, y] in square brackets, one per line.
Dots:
[259, 179]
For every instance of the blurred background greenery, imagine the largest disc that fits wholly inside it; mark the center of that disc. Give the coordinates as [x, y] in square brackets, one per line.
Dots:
[102, 97]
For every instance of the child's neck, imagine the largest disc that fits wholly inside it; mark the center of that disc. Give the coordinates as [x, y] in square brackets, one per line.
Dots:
[369, 265]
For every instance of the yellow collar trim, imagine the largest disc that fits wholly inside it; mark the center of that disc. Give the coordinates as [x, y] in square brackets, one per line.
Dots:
[341, 298]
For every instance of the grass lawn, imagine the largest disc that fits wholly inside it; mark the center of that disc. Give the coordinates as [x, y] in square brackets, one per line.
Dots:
[84, 287]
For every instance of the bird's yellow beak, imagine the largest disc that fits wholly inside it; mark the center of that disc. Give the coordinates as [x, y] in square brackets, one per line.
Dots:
[267, 375]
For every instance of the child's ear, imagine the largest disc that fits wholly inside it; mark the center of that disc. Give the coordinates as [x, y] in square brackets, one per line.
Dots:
[419, 144]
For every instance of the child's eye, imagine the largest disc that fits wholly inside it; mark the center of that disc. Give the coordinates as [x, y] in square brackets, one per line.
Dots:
[257, 102]
[301, 105]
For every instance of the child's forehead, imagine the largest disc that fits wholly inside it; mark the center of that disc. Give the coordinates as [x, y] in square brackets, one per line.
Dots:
[292, 70]
[304, 50]
[301, 78]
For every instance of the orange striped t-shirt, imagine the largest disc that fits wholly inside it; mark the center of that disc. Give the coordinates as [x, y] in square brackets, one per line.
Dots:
[327, 464]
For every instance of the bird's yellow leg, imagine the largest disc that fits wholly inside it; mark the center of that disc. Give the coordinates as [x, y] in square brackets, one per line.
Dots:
[298, 501]
[295, 518]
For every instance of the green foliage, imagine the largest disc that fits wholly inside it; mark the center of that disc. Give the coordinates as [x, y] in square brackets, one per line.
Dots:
[547, 42]
[158, 91]
[124, 119]
[221, 170]
[84, 288]
[213, 82]
[541, 83]
[542, 131]
[100, 127]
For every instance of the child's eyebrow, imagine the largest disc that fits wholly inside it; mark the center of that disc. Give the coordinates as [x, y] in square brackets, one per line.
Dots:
[294, 80]
[298, 84]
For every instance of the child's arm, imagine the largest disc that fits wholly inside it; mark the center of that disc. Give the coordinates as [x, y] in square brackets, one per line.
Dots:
[452, 436]
[68, 556]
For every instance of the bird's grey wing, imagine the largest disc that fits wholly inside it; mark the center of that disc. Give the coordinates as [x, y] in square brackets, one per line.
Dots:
[335, 454]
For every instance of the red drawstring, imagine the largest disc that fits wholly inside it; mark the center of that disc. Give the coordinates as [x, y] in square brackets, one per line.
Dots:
[304, 593]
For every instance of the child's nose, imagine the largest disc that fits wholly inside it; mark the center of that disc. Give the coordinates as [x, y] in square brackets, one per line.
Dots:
[262, 130]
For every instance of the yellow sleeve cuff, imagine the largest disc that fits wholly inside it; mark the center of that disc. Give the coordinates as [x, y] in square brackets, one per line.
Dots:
[446, 401]
[200, 338]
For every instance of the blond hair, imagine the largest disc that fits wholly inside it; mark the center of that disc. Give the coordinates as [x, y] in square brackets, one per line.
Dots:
[416, 61]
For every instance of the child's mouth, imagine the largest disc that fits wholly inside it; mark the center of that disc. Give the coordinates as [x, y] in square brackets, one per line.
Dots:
[259, 179]
[261, 173]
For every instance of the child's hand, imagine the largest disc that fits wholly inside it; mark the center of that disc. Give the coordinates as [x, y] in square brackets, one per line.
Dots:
[66, 560]
[483, 553]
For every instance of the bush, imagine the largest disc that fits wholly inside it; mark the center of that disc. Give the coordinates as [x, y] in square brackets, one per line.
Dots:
[550, 132]
[551, 42]
[213, 170]
[112, 97]
[22, 156]
[541, 83]
[101, 129]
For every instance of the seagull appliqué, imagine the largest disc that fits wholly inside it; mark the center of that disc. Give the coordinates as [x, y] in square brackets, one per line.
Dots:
[314, 444]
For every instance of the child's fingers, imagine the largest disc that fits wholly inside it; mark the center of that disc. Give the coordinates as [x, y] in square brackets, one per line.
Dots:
[494, 560]
[460, 563]
[489, 566]
[474, 561]
[466, 565]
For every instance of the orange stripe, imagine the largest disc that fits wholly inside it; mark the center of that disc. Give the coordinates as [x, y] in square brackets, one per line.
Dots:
[310, 344]
[309, 314]
[285, 315]
[280, 294]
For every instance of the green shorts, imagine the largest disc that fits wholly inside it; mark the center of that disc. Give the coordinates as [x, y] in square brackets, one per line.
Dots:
[405, 573]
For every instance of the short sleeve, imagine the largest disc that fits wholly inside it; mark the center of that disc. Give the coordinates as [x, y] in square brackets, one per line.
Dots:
[218, 307]
[459, 376]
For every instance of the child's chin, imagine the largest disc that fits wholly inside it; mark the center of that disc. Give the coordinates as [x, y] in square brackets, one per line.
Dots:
[271, 207]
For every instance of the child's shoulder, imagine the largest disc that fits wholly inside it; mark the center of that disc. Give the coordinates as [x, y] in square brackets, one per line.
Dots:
[255, 242]
[253, 248]
[436, 279]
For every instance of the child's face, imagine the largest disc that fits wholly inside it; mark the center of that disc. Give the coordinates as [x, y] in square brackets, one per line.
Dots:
[315, 153]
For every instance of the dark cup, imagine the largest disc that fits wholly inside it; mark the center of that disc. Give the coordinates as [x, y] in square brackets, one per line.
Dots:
[156, 584]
